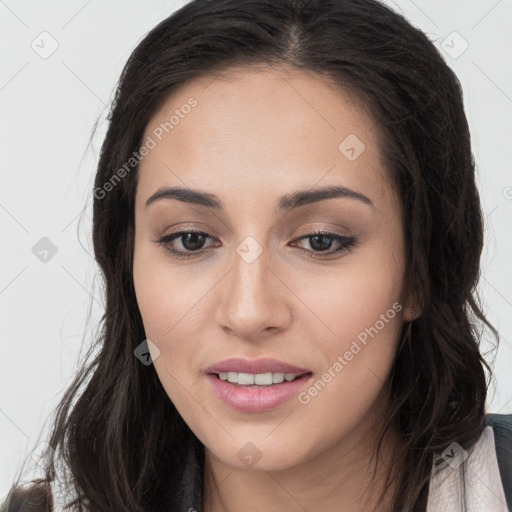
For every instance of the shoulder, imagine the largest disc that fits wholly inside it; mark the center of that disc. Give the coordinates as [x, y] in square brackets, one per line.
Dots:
[501, 425]
[500, 422]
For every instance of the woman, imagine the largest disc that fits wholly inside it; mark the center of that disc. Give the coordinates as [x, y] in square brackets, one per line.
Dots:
[287, 222]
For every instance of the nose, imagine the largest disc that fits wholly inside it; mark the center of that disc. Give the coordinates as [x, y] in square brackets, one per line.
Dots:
[254, 301]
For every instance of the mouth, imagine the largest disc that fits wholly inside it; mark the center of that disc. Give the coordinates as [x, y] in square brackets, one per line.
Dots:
[256, 386]
[259, 380]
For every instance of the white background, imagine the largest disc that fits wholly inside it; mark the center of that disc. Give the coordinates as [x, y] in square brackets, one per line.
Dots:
[49, 107]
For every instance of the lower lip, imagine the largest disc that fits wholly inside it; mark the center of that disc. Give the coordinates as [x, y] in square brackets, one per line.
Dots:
[245, 398]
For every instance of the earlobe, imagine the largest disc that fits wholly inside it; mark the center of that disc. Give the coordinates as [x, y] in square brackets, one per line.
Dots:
[413, 307]
[411, 313]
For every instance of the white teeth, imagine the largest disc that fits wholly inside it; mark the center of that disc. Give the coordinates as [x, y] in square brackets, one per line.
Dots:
[261, 379]
[277, 378]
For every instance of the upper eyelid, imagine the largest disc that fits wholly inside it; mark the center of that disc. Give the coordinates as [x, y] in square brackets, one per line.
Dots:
[311, 232]
[326, 230]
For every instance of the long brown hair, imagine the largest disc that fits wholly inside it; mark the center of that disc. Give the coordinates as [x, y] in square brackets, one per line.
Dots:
[115, 430]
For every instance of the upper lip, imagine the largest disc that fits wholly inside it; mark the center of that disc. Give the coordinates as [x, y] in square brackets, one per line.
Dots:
[255, 366]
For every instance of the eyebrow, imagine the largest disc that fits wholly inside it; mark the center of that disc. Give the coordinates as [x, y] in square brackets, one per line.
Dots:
[286, 203]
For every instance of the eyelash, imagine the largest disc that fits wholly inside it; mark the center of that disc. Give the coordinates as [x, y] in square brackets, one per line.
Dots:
[346, 243]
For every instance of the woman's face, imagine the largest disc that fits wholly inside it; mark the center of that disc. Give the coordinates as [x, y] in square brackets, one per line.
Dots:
[257, 283]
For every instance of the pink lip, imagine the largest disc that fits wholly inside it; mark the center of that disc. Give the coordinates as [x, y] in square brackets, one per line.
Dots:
[264, 365]
[244, 398]
[252, 399]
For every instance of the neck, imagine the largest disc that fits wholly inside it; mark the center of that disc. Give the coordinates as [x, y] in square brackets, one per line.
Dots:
[340, 479]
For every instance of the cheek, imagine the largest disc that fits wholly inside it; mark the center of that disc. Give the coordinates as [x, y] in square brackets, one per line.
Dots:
[171, 304]
[164, 294]
[353, 296]
[365, 322]
[170, 320]
[361, 306]
[157, 300]
[364, 314]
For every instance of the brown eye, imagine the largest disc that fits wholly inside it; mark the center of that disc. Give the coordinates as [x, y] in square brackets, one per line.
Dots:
[321, 243]
[191, 241]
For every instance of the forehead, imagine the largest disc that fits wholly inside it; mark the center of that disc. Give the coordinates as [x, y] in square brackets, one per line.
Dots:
[260, 127]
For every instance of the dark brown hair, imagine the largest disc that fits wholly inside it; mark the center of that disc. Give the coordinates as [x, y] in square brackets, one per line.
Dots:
[116, 430]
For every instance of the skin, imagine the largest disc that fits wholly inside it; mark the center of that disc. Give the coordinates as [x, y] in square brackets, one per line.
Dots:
[255, 136]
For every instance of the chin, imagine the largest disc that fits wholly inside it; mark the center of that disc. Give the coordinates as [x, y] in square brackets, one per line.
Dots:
[264, 455]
